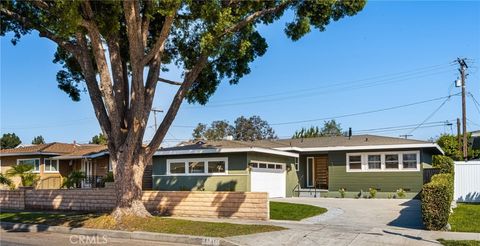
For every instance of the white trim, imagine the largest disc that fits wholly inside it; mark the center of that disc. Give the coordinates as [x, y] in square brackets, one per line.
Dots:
[45, 165]
[35, 159]
[27, 153]
[205, 171]
[366, 147]
[313, 170]
[364, 162]
[284, 165]
[225, 150]
[72, 157]
[297, 164]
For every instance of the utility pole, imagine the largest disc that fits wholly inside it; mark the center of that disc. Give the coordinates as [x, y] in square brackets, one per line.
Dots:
[155, 111]
[463, 70]
[459, 138]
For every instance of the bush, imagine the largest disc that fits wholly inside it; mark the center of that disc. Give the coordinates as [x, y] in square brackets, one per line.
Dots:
[444, 163]
[342, 192]
[373, 192]
[436, 200]
[73, 180]
[400, 193]
[108, 177]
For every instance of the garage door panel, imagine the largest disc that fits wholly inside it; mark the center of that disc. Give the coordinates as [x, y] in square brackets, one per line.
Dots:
[272, 181]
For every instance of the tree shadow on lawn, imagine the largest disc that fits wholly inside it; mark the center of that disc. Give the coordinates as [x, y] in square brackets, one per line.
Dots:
[44, 219]
[410, 216]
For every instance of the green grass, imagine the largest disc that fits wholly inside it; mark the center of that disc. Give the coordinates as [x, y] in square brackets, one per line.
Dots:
[293, 211]
[459, 242]
[465, 218]
[153, 224]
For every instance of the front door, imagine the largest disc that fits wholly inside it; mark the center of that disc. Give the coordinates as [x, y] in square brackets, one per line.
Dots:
[321, 172]
[87, 168]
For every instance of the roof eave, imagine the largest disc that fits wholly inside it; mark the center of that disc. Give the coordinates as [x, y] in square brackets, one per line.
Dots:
[224, 150]
[365, 147]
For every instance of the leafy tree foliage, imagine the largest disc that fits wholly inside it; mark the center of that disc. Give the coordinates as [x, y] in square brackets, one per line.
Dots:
[38, 140]
[99, 139]
[449, 144]
[217, 130]
[330, 128]
[9, 141]
[246, 129]
[116, 51]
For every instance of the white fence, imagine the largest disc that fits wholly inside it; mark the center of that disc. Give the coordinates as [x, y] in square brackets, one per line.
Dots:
[467, 181]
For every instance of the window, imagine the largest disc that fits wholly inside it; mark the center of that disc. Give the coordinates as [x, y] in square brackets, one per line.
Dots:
[262, 165]
[197, 166]
[266, 165]
[405, 161]
[355, 162]
[216, 166]
[297, 165]
[391, 161]
[34, 162]
[410, 161]
[374, 162]
[51, 166]
[177, 167]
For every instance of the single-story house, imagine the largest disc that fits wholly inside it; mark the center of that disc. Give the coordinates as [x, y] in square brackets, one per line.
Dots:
[55, 161]
[291, 167]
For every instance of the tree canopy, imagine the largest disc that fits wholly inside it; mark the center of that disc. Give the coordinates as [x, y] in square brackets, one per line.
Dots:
[450, 145]
[246, 129]
[330, 128]
[38, 140]
[9, 141]
[118, 50]
[99, 139]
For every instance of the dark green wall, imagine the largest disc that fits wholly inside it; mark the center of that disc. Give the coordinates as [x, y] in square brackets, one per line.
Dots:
[236, 180]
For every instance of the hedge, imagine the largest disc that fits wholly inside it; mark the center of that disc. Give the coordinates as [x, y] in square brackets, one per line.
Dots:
[444, 163]
[437, 196]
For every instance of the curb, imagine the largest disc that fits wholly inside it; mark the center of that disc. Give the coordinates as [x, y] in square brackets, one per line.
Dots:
[138, 235]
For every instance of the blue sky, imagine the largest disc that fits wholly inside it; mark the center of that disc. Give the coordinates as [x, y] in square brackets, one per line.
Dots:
[390, 54]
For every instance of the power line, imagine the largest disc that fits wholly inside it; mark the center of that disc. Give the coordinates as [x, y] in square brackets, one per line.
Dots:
[364, 112]
[430, 116]
[475, 102]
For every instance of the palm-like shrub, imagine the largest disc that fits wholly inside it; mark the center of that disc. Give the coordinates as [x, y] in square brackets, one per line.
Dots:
[73, 179]
[4, 180]
[25, 172]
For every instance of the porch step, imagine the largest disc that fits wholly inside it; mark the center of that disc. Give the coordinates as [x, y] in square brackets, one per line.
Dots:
[310, 193]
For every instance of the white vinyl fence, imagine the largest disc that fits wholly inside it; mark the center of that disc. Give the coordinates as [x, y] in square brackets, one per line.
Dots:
[467, 181]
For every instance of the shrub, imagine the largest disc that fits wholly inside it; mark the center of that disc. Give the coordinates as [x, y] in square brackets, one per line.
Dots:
[4, 180]
[444, 163]
[373, 192]
[342, 192]
[73, 179]
[436, 200]
[108, 177]
[400, 193]
[25, 172]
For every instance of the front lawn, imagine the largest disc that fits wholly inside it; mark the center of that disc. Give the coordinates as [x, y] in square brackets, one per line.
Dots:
[459, 242]
[465, 218]
[293, 211]
[153, 224]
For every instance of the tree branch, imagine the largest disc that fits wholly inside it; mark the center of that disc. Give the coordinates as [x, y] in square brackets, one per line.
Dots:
[169, 81]
[159, 45]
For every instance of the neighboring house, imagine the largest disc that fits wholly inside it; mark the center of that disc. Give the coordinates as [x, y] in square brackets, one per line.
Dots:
[55, 161]
[284, 167]
[476, 139]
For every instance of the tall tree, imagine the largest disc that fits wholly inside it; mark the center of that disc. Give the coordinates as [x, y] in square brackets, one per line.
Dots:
[9, 141]
[449, 144]
[253, 128]
[38, 140]
[218, 130]
[111, 45]
[330, 128]
[99, 139]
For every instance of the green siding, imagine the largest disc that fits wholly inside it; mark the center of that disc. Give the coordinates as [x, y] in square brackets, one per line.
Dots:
[236, 180]
[384, 181]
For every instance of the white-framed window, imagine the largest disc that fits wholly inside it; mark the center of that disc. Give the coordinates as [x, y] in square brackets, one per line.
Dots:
[297, 164]
[383, 161]
[51, 166]
[267, 165]
[197, 166]
[35, 162]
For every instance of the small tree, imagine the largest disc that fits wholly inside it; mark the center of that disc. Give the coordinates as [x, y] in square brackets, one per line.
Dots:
[9, 141]
[450, 145]
[99, 139]
[24, 171]
[330, 128]
[73, 179]
[38, 140]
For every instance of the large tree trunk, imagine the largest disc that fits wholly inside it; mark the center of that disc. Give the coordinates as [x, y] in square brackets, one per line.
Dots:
[128, 173]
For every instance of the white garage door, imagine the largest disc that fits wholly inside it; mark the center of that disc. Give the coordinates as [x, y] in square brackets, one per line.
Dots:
[269, 177]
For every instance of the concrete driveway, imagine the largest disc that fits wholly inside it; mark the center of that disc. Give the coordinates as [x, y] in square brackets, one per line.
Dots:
[355, 222]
